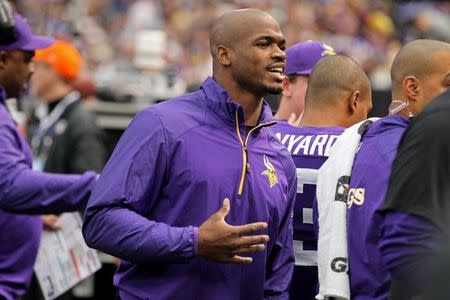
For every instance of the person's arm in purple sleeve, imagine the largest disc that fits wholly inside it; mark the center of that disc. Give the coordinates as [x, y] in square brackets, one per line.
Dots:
[23, 190]
[115, 220]
[404, 243]
[280, 263]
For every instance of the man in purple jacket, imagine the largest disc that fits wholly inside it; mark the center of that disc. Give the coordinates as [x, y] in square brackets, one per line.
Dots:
[418, 74]
[416, 212]
[338, 96]
[416, 223]
[159, 205]
[21, 189]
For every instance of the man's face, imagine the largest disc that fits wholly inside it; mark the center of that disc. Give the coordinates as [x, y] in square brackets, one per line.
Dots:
[298, 88]
[258, 59]
[43, 79]
[18, 69]
[437, 81]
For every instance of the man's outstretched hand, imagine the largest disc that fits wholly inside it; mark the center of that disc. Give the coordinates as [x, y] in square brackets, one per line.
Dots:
[221, 242]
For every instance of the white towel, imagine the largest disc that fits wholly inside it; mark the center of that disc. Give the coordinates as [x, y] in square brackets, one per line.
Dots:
[332, 193]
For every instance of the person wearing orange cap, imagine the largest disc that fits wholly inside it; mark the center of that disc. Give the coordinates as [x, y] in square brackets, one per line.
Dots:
[67, 139]
[64, 135]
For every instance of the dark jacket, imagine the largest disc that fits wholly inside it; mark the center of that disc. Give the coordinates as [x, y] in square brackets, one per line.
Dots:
[73, 144]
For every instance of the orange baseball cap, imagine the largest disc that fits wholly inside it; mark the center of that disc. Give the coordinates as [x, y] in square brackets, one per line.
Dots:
[63, 57]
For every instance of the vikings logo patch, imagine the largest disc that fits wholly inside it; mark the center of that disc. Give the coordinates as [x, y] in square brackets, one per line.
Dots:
[328, 50]
[271, 173]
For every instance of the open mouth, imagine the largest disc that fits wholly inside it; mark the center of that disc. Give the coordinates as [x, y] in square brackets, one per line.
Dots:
[278, 72]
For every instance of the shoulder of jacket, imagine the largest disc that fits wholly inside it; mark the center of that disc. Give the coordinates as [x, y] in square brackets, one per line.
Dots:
[181, 114]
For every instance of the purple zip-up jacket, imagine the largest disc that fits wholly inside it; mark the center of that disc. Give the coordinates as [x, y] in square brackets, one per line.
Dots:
[27, 191]
[368, 185]
[170, 172]
[309, 148]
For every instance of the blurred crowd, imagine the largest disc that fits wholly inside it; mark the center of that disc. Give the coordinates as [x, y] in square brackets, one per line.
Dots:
[150, 49]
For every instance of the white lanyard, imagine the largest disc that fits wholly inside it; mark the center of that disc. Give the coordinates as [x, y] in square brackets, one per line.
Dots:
[53, 117]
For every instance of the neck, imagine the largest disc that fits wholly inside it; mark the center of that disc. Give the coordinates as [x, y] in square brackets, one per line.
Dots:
[250, 103]
[285, 109]
[55, 93]
[252, 112]
[3, 95]
[406, 111]
[321, 118]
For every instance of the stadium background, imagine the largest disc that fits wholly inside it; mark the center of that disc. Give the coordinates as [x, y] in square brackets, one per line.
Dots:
[139, 52]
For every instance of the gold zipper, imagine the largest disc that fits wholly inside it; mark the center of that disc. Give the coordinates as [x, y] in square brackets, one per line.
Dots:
[244, 149]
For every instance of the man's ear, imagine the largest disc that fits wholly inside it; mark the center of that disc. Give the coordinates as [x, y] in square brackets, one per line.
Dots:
[286, 87]
[223, 55]
[353, 101]
[411, 87]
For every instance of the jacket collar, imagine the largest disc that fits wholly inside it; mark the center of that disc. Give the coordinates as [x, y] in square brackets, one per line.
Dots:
[221, 103]
[386, 124]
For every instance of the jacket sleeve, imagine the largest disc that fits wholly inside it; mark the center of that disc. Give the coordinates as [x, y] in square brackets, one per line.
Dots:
[280, 264]
[405, 242]
[116, 220]
[23, 190]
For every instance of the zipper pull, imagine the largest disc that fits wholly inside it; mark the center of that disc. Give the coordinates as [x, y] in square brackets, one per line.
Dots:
[247, 166]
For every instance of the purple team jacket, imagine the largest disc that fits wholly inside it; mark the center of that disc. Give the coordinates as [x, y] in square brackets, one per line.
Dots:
[368, 186]
[27, 191]
[170, 172]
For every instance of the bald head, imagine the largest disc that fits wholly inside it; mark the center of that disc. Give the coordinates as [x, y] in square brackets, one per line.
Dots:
[333, 76]
[232, 26]
[417, 58]
[247, 47]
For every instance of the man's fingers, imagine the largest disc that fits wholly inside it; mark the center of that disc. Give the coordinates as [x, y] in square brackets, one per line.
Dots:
[50, 222]
[250, 249]
[245, 241]
[249, 228]
[225, 209]
[241, 260]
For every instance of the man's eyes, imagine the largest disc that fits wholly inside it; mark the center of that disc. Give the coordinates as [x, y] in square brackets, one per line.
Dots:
[266, 44]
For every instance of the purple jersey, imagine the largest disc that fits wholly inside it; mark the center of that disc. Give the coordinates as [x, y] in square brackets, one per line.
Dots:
[368, 185]
[309, 148]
